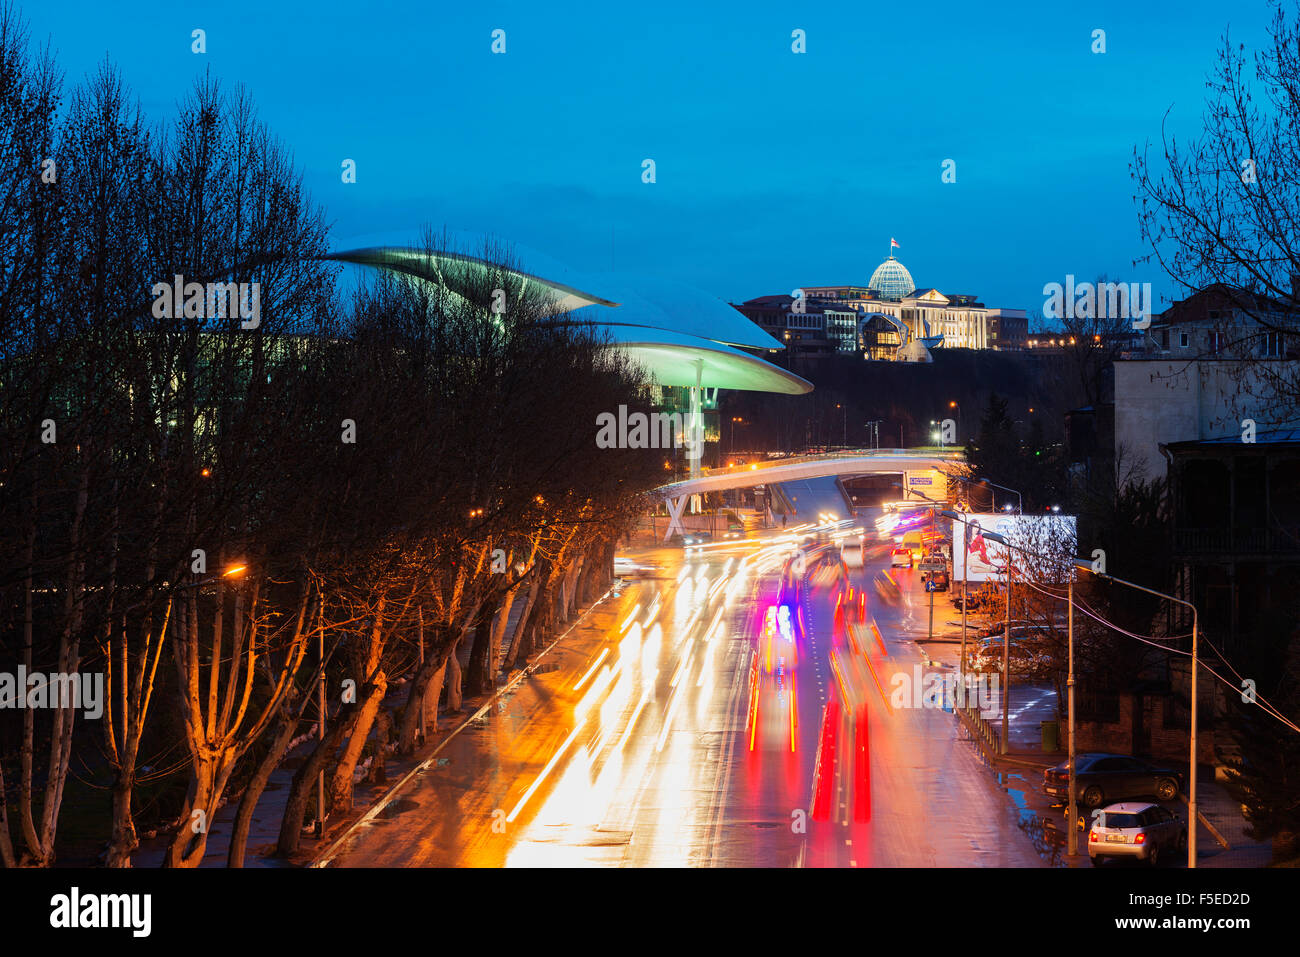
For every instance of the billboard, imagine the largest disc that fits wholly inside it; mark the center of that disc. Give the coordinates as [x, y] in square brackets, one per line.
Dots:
[930, 483]
[1051, 538]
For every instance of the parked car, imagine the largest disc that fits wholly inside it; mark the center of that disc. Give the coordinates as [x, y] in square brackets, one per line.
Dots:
[940, 578]
[974, 600]
[986, 654]
[995, 628]
[1140, 830]
[900, 557]
[1101, 777]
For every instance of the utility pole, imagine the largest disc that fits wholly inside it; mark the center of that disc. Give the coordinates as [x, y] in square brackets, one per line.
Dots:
[1191, 783]
[930, 580]
[1073, 807]
[420, 628]
[1006, 660]
[320, 778]
[965, 598]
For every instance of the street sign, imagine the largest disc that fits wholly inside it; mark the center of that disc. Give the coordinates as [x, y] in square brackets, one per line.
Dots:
[931, 586]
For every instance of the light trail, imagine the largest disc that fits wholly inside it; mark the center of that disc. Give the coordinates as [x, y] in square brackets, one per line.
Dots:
[550, 766]
[627, 732]
[592, 670]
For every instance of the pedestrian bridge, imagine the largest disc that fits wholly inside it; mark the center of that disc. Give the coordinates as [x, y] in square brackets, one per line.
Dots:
[800, 467]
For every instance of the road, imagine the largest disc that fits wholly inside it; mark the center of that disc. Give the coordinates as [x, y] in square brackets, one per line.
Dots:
[636, 743]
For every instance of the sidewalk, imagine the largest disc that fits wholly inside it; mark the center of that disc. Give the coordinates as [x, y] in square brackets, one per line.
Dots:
[1020, 771]
[264, 828]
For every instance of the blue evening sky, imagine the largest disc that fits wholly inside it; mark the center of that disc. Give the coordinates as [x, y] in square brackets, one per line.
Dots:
[774, 170]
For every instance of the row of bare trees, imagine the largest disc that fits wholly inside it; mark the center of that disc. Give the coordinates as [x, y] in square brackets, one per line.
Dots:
[210, 505]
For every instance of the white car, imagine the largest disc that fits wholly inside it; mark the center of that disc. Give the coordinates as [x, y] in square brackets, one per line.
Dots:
[851, 551]
[1136, 830]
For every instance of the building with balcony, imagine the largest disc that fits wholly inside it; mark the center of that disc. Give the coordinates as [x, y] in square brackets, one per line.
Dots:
[1235, 515]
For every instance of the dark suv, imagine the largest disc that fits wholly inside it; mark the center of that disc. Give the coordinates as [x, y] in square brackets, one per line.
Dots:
[1102, 778]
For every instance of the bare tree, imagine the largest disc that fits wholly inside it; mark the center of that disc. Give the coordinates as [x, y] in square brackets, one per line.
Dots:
[1222, 210]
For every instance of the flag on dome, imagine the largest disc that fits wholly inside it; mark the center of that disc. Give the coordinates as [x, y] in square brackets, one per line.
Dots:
[893, 243]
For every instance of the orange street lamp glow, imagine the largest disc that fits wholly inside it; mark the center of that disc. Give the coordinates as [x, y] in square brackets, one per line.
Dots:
[206, 472]
[234, 570]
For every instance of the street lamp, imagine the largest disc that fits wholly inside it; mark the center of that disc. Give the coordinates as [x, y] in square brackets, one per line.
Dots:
[984, 481]
[1191, 778]
[1087, 566]
[953, 405]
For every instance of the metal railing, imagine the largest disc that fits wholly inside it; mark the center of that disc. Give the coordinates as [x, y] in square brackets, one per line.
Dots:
[980, 726]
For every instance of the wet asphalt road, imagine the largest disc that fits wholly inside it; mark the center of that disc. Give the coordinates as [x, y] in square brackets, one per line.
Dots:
[632, 745]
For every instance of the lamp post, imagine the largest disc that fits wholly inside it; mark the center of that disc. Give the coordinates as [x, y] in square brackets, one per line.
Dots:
[1073, 808]
[1191, 779]
[983, 481]
[1080, 564]
[1006, 662]
[953, 405]
[1020, 502]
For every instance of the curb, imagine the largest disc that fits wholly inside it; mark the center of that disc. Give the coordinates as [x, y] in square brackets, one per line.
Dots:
[992, 756]
[324, 858]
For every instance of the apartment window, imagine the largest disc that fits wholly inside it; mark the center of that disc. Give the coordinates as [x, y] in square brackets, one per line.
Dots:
[1164, 339]
[1273, 345]
[1215, 342]
[1182, 340]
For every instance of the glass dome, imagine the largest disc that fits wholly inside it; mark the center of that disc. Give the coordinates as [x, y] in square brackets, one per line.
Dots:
[892, 280]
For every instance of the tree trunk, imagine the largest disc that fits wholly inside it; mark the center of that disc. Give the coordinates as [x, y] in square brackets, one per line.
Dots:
[383, 734]
[122, 838]
[253, 793]
[433, 697]
[422, 698]
[476, 677]
[305, 778]
[498, 633]
[340, 792]
[521, 626]
[453, 677]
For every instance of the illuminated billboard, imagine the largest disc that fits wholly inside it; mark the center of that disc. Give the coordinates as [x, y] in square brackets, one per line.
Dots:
[1050, 540]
